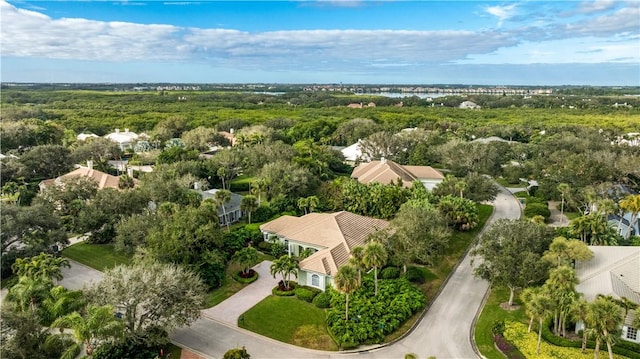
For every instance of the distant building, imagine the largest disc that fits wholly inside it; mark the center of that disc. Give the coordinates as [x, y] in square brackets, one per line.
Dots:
[83, 136]
[469, 105]
[231, 208]
[124, 139]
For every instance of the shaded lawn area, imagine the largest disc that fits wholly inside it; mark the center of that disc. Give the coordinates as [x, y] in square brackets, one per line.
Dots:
[229, 285]
[96, 256]
[289, 320]
[491, 313]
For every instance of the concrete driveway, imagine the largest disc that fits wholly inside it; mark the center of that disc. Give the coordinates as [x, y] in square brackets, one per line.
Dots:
[444, 332]
[230, 310]
[78, 276]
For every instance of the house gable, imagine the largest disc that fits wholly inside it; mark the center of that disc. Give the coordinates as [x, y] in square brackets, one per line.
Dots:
[386, 172]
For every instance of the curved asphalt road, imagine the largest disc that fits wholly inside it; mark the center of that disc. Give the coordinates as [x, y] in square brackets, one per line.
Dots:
[444, 332]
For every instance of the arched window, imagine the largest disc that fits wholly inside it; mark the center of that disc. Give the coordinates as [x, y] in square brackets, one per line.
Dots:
[315, 280]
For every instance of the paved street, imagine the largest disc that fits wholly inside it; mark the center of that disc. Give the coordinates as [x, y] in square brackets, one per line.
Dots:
[444, 332]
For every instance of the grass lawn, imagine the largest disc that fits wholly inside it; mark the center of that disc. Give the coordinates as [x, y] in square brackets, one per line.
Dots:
[229, 286]
[503, 182]
[97, 256]
[289, 320]
[491, 313]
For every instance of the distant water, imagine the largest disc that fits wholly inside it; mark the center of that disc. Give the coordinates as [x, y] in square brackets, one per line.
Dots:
[404, 94]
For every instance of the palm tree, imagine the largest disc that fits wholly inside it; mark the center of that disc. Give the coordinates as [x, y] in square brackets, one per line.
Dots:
[223, 197]
[356, 260]
[245, 257]
[303, 203]
[563, 188]
[539, 306]
[561, 287]
[286, 266]
[579, 311]
[631, 203]
[98, 325]
[526, 296]
[375, 256]
[45, 266]
[28, 292]
[257, 188]
[312, 203]
[346, 281]
[249, 205]
[604, 318]
[62, 301]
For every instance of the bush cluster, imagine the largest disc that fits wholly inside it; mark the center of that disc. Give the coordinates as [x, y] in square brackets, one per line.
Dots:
[415, 275]
[537, 209]
[372, 317]
[240, 279]
[306, 293]
[622, 347]
[322, 300]
[507, 348]
[390, 273]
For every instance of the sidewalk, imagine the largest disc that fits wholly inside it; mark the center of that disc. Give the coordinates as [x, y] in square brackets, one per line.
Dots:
[230, 310]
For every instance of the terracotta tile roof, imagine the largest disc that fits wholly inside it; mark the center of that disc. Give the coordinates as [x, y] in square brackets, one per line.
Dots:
[104, 180]
[387, 171]
[336, 233]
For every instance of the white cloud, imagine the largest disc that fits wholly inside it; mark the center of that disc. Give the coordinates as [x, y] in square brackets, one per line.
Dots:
[502, 12]
[622, 20]
[591, 6]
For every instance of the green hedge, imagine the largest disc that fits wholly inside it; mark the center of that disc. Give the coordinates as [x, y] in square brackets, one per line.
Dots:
[622, 347]
[243, 280]
[322, 300]
[537, 209]
[306, 293]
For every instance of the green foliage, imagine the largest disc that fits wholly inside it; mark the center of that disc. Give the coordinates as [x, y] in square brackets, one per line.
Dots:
[390, 273]
[460, 213]
[306, 293]
[236, 353]
[372, 317]
[127, 348]
[374, 199]
[322, 300]
[416, 274]
[537, 209]
[498, 327]
[245, 280]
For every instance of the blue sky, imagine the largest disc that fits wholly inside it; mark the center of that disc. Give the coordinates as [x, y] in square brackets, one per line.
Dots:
[542, 43]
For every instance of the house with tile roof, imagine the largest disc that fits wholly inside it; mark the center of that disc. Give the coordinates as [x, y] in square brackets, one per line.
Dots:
[386, 172]
[124, 139]
[104, 180]
[613, 271]
[330, 236]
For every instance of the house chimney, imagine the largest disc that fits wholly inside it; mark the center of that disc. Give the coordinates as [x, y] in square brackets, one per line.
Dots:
[130, 172]
[90, 164]
[383, 160]
[126, 130]
[231, 131]
[117, 130]
[196, 186]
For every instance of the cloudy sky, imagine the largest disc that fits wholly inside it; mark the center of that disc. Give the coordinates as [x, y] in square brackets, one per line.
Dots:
[595, 42]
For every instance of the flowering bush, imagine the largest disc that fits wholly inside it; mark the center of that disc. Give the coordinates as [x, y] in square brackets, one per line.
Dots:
[516, 333]
[506, 348]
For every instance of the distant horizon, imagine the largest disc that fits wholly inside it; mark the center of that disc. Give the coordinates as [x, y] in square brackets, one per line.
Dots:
[395, 85]
[496, 43]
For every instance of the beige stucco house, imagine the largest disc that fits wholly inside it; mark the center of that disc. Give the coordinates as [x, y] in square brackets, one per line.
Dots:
[386, 172]
[330, 236]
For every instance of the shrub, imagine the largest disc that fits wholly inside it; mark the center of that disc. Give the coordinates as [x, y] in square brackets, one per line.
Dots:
[281, 291]
[237, 353]
[264, 247]
[390, 273]
[253, 276]
[306, 293]
[322, 300]
[507, 348]
[263, 214]
[498, 327]
[415, 275]
[537, 209]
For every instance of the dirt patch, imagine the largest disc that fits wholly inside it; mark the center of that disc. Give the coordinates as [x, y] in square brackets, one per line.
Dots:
[313, 337]
[506, 306]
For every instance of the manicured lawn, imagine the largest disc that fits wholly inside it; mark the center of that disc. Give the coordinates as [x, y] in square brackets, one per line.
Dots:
[492, 313]
[229, 286]
[289, 320]
[502, 181]
[97, 256]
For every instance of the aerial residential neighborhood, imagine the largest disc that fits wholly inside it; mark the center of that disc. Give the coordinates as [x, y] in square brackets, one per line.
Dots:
[319, 179]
